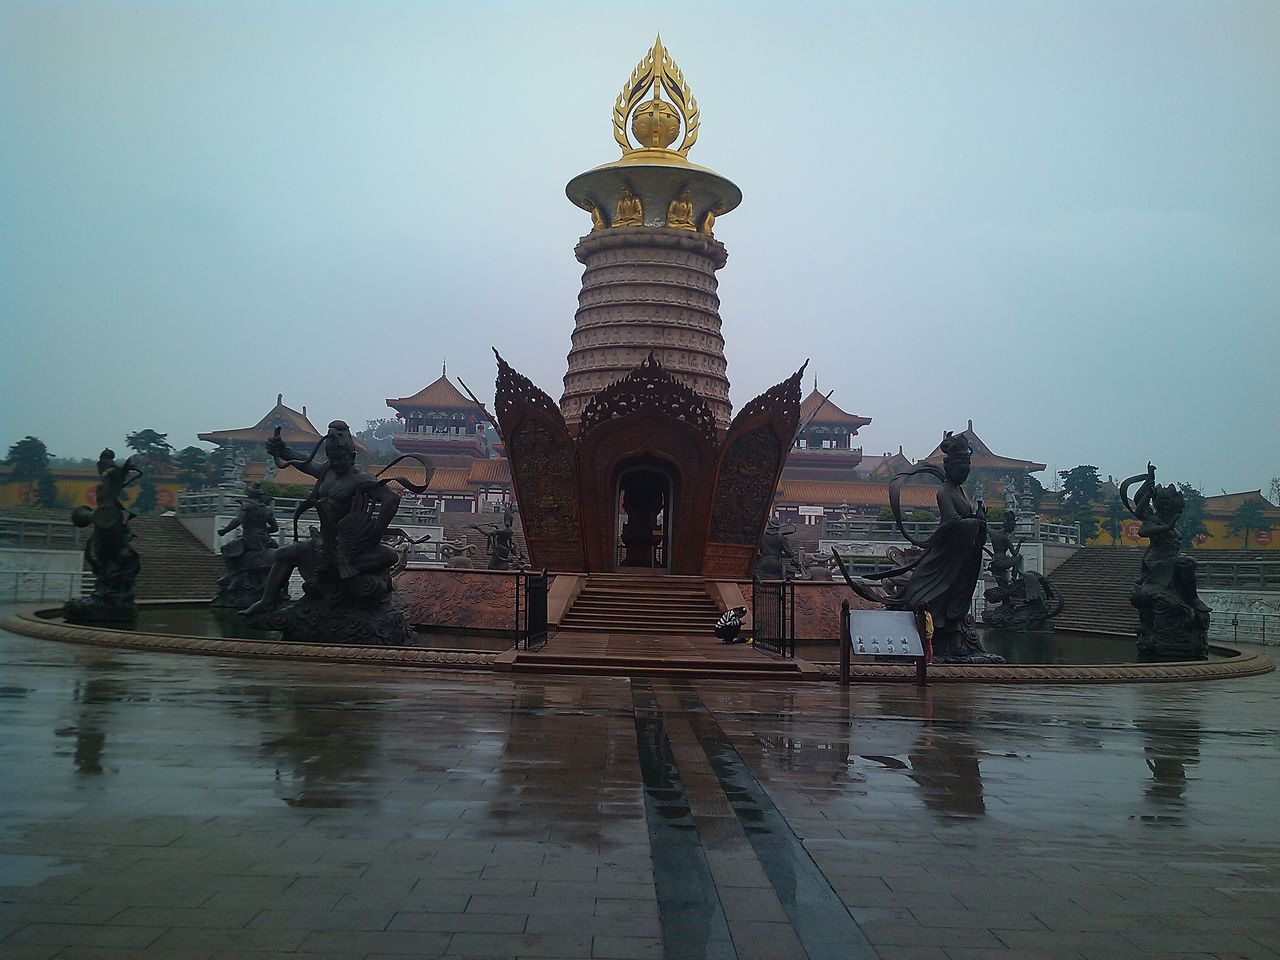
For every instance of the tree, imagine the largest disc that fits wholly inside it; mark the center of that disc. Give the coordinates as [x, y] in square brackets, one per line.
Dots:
[46, 490]
[1114, 522]
[153, 450]
[215, 464]
[377, 435]
[193, 466]
[151, 447]
[1247, 519]
[28, 460]
[1275, 491]
[1080, 488]
[1192, 524]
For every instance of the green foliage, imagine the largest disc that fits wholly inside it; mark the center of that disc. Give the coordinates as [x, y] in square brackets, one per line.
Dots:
[1275, 491]
[46, 490]
[288, 491]
[995, 514]
[885, 515]
[377, 436]
[1247, 519]
[192, 465]
[214, 464]
[151, 447]
[1115, 517]
[1192, 523]
[921, 516]
[1081, 487]
[145, 501]
[28, 460]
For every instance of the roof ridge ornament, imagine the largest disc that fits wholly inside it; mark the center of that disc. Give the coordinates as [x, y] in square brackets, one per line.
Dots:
[656, 123]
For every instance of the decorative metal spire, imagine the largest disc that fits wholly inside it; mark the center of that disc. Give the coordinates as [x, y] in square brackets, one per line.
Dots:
[656, 123]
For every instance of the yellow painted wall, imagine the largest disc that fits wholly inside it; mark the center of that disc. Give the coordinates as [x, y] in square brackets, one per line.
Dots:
[76, 487]
[1217, 539]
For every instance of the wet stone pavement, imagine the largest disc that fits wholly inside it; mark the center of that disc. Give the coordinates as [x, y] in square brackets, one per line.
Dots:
[163, 806]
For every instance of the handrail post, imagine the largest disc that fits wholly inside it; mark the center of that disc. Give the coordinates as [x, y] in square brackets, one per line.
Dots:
[845, 643]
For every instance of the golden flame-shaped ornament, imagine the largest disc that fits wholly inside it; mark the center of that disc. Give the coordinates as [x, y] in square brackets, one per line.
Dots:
[656, 123]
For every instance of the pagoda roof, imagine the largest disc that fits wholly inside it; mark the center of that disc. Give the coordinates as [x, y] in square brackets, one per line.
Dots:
[440, 394]
[984, 458]
[828, 414]
[294, 428]
[834, 493]
[1229, 503]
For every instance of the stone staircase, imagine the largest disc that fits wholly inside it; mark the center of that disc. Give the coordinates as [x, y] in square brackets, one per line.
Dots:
[175, 564]
[642, 603]
[1095, 584]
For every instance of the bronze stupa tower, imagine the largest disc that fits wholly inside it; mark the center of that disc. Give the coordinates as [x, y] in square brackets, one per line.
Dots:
[650, 280]
[639, 467]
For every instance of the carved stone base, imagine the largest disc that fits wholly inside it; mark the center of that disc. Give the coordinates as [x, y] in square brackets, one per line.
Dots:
[959, 643]
[243, 589]
[376, 622]
[1188, 644]
[91, 610]
[1028, 618]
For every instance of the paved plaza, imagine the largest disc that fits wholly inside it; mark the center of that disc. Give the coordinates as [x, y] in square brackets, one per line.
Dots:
[167, 806]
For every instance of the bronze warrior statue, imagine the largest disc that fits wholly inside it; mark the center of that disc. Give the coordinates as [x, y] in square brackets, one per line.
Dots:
[108, 551]
[941, 580]
[345, 565]
[1173, 622]
[249, 557]
[1021, 599]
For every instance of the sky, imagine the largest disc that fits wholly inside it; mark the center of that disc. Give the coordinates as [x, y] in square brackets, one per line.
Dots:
[1058, 219]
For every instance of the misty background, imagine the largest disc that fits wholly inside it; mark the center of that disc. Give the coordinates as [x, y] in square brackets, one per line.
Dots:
[1061, 220]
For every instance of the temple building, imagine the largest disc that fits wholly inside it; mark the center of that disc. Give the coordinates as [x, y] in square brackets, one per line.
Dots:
[295, 430]
[440, 423]
[988, 465]
[823, 448]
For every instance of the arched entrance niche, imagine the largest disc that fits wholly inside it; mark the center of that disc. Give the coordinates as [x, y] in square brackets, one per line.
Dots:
[645, 494]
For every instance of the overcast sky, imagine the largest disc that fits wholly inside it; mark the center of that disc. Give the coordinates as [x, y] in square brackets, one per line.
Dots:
[1061, 220]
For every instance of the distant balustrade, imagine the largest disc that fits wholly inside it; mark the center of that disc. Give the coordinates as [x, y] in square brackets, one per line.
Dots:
[865, 528]
[26, 534]
[225, 502]
[1237, 575]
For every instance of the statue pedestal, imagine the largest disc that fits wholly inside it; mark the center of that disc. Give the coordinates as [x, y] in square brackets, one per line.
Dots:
[380, 620]
[91, 610]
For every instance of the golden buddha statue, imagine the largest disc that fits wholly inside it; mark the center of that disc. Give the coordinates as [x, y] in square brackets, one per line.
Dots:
[680, 212]
[709, 219]
[630, 210]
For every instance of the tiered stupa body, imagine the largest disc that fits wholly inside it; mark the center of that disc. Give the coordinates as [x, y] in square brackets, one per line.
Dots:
[639, 467]
[651, 260]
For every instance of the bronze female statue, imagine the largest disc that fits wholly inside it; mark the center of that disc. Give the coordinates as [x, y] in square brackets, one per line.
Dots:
[943, 577]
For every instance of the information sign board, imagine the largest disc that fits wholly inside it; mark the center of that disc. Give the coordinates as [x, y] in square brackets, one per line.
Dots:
[884, 633]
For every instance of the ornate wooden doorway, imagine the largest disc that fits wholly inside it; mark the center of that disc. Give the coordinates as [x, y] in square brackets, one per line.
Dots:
[644, 494]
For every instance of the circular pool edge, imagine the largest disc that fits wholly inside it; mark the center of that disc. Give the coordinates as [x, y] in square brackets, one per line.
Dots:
[28, 621]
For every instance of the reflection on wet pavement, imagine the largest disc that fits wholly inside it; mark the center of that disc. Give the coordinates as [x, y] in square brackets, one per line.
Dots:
[158, 805]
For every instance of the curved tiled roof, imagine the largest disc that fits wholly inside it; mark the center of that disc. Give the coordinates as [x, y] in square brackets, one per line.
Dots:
[294, 426]
[828, 414]
[496, 470]
[984, 458]
[440, 394]
[832, 493]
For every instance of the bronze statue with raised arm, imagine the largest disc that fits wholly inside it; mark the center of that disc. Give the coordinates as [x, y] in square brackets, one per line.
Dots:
[345, 566]
[1173, 622]
[108, 551]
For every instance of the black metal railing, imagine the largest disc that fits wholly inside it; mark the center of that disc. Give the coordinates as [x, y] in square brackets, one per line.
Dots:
[531, 608]
[773, 616]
